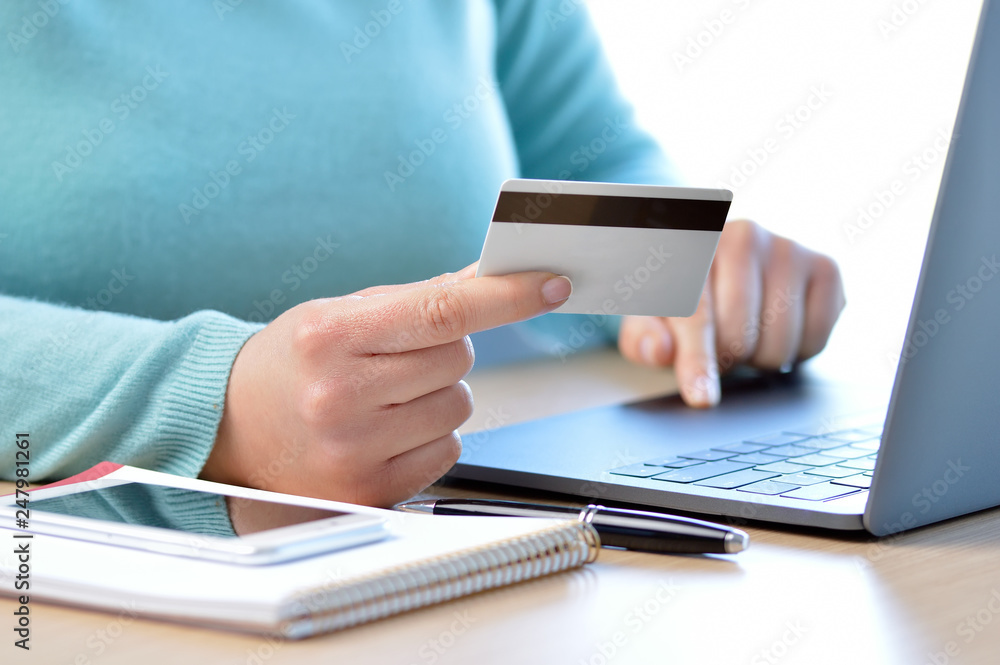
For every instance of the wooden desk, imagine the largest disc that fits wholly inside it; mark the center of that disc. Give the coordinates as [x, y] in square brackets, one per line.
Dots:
[793, 597]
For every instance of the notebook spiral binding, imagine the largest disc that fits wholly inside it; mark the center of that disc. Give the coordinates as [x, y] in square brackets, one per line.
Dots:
[443, 578]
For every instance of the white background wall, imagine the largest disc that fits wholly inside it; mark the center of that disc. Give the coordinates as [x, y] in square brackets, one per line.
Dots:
[892, 72]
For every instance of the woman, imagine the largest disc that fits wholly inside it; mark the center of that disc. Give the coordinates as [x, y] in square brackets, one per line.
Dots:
[178, 174]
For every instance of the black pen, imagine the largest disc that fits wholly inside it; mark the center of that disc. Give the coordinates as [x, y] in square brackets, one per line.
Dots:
[631, 529]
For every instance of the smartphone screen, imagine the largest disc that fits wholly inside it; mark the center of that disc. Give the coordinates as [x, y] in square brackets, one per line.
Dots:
[183, 510]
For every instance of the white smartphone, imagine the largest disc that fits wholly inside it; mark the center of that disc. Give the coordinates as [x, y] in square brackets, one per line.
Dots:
[189, 523]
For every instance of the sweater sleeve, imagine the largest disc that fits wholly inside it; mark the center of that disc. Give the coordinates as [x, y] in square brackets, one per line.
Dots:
[569, 122]
[88, 386]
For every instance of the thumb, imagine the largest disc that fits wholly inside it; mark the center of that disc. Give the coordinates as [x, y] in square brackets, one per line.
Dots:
[695, 362]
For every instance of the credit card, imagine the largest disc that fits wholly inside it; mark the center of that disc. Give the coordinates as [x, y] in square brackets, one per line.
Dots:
[629, 249]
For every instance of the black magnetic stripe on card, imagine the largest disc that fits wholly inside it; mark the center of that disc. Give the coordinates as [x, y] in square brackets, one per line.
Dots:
[617, 211]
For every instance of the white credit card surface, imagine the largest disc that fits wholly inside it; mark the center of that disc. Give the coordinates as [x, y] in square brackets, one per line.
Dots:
[629, 249]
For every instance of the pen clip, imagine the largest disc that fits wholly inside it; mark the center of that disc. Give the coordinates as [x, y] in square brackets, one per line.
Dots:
[587, 514]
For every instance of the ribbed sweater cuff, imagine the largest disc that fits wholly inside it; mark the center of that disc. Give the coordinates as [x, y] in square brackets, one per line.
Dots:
[196, 390]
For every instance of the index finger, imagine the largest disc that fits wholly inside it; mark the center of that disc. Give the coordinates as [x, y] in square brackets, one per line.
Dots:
[467, 272]
[436, 314]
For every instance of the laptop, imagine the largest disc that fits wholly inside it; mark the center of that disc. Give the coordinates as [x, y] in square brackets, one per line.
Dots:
[804, 448]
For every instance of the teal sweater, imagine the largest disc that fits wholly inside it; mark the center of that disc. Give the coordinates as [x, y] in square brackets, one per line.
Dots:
[175, 174]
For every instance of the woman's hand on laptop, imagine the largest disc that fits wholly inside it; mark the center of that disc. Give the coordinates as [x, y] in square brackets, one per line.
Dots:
[358, 398]
[768, 303]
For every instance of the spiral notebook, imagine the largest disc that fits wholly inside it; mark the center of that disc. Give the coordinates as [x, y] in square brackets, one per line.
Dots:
[426, 559]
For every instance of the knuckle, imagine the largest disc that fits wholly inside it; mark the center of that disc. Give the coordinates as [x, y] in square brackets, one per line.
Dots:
[770, 361]
[444, 312]
[316, 331]
[314, 402]
[463, 401]
[741, 236]
[451, 450]
[465, 355]
[318, 401]
[825, 270]
[399, 481]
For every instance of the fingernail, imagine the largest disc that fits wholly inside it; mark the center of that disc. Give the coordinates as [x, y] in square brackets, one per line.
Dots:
[647, 349]
[557, 289]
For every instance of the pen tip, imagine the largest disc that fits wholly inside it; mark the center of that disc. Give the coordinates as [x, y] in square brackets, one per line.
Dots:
[736, 541]
[426, 507]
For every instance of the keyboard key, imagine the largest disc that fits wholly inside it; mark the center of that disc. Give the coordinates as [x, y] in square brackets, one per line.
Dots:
[756, 458]
[768, 487]
[819, 444]
[816, 459]
[816, 429]
[849, 436]
[741, 448]
[738, 479]
[776, 438]
[860, 480]
[801, 479]
[779, 467]
[821, 492]
[832, 471]
[790, 451]
[708, 455]
[637, 471]
[862, 464]
[847, 452]
[702, 471]
[673, 462]
[871, 445]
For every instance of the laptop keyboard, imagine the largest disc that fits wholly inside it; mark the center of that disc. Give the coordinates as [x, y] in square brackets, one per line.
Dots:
[811, 465]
